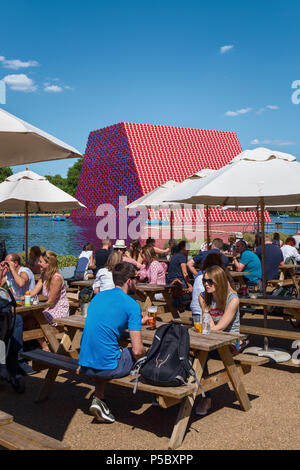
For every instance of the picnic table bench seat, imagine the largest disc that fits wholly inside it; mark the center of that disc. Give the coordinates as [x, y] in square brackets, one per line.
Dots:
[47, 360]
[15, 436]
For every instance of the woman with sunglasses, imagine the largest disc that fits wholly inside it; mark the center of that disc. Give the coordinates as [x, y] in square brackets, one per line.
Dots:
[222, 302]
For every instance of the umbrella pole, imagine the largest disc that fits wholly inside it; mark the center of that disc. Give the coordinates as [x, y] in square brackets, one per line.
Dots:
[171, 225]
[257, 223]
[26, 216]
[207, 227]
[264, 282]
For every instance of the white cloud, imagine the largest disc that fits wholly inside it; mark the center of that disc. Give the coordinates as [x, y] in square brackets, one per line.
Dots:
[238, 112]
[20, 82]
[53, 88]
[225, 49]
[273, 107]
[16, 64]
[280, 143]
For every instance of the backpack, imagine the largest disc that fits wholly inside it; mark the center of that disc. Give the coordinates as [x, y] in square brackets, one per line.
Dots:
[167, 362]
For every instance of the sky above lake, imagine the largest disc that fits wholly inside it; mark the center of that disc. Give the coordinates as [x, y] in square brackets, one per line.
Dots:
[71, 67]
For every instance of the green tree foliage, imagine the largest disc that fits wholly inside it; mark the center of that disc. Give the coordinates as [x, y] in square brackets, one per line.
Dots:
[5, 173]
[68, 184]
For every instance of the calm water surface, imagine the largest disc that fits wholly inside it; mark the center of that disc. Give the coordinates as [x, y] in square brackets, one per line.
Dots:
[67, 237]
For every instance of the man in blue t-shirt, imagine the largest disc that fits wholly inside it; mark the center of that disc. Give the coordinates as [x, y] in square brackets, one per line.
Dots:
[274, 258]
[216, 247]
[109, 314]
[249, 262]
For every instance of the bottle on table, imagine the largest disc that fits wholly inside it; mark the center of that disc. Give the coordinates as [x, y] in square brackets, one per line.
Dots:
[206, 322]
[27, 299]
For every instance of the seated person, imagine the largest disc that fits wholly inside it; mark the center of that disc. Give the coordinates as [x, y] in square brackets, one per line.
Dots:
[120, 247]
[222, 302]
[276, 240]
[150, 242]
[177, 271]
[173, 247]
[289, 251]
[216, 247]
[109, 314]
[52, 286]
[19, 279]
[135, 251]
[151, 268]
[85, 264]
[104, 279]
[212, 259]
[103, 253]
[249, 262]
[33, 261]
[274, 258]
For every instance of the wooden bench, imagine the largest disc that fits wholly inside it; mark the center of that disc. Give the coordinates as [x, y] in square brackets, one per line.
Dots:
[259, 331]
[15, 436]
[47, 360]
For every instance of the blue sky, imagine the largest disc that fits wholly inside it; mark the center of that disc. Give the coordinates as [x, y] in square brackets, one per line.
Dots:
[71, 67]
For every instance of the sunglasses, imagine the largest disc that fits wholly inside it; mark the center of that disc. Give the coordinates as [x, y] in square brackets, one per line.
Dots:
[210, 282]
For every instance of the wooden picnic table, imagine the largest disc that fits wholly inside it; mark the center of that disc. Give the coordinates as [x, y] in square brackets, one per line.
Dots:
[147, 294]
[291, 306]
[44, 329]
[82, 284]
[289, 271]
[200, 346]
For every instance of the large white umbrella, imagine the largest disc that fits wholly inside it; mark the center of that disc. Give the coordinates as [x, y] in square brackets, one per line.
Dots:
[154, 199]
[22, 143]
[255, 177]
[29, 192]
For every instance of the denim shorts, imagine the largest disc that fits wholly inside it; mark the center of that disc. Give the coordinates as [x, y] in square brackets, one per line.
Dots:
[125, 363]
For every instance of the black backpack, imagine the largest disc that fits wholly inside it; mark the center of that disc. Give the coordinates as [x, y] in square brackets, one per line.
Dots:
[167, 362]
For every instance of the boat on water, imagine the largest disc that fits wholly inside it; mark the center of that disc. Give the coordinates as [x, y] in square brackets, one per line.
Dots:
[58, 219]
[17, 216]
[36, 215]
[284, 216]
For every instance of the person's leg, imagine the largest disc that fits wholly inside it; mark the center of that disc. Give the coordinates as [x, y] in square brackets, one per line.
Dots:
[15, 361]
[205, 403]
[100, 385]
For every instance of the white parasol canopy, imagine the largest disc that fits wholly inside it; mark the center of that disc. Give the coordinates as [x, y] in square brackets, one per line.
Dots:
[27, 191]
[21, 143]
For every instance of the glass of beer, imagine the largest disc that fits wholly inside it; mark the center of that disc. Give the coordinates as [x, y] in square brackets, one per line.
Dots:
[197, 323]
[152, 312]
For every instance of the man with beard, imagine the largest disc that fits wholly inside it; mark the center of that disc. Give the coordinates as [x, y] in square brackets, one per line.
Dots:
[110, 313]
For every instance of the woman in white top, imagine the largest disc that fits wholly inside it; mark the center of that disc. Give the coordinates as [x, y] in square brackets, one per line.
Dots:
[86, 262]
[289, 250]
[104, 279]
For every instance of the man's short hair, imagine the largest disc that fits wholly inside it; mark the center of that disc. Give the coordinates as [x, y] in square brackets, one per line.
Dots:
[122, 272]
[218, 243]
[181, 245]
[15, 257]
[243, 243]
[106, 241]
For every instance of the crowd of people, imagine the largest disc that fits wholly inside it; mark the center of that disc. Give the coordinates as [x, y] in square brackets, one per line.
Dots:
[202, 282]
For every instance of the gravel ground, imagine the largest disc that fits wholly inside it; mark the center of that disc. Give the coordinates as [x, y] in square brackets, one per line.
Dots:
[271, 423]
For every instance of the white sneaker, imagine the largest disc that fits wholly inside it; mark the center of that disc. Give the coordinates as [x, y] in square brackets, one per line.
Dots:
[101, 411]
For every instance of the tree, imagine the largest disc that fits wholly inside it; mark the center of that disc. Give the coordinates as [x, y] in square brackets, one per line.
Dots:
[5, 173]
[68, 184]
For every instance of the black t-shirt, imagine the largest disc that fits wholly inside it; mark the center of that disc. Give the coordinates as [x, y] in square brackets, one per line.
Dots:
[101, 258]
[273, 259]
[174, 270]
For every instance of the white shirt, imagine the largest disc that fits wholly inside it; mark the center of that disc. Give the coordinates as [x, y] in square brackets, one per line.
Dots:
[297, 240]
[198, 289]
[29, 285]
[290, 251]
[83, 265]
[104, 280]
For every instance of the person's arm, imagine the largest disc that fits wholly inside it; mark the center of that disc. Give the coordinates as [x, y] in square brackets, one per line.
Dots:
[138, 349]
[186, 276]
[143, 272]
[160, 251]
[55, 287]
[190, 265]
[21, 279]
[92, 263]
[238, 266]
[37, 288]
[228, 315]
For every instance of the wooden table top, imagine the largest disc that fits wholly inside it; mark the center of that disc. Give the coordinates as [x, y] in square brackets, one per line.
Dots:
[31, 308]
[198, 341]
[239, 274]
[88, 283]
[277, 302]
[289, 266]
[152, 287]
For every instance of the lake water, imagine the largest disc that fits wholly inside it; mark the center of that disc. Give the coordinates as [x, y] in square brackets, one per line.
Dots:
[68, 237]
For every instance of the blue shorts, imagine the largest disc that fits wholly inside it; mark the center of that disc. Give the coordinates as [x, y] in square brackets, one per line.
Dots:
[125, 363]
